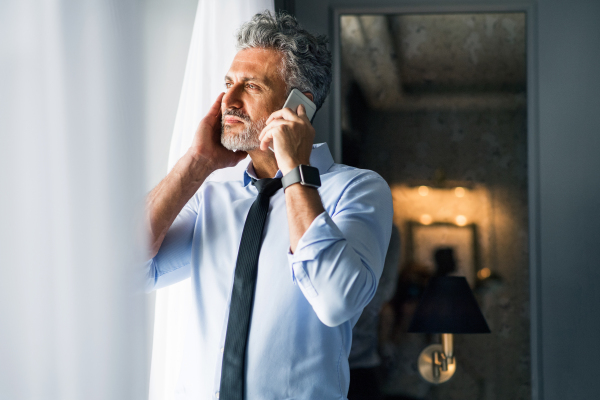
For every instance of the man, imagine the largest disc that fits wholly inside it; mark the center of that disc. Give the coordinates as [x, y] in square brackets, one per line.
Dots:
[320, 252]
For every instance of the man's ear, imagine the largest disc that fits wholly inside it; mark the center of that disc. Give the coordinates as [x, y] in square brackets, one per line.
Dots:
[309, 95]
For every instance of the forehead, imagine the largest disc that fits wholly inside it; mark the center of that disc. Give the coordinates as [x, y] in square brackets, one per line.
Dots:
[256, 63]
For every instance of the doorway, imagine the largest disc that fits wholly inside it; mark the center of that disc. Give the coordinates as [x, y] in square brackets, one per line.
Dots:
[437, 105]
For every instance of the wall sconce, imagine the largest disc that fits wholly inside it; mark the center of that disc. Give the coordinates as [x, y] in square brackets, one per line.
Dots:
[447, 307]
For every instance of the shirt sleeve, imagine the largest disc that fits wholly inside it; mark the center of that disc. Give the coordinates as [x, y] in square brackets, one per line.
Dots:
[172, 263]
[339, 259]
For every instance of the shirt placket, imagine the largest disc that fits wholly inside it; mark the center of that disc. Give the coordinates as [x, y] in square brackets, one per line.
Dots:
[221, 350]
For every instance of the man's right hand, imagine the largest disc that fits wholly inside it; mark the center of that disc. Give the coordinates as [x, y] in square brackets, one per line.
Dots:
[207, 141]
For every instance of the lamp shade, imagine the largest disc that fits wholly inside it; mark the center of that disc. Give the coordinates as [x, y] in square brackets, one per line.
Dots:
[448, 306]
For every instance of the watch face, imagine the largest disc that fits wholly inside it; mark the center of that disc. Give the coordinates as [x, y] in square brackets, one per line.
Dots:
[310, 176]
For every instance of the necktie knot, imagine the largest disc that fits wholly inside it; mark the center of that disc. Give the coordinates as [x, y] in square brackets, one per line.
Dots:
[268, 187]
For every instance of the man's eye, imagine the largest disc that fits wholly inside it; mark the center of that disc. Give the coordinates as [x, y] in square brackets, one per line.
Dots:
[227, 85]
[251, 86]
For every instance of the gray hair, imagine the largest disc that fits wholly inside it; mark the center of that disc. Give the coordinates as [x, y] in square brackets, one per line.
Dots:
[307, 62]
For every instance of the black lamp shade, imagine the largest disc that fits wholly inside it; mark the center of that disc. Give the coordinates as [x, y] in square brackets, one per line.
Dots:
[448, 306]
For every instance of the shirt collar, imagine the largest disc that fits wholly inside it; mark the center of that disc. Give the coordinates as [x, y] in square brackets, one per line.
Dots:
[320, 157]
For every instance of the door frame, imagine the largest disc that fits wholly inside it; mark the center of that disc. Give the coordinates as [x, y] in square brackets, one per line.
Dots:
[533, 146]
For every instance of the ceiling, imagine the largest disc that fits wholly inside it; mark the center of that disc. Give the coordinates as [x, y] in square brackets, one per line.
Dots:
[435, 60]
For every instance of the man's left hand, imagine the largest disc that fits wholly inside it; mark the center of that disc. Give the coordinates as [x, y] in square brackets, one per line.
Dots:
[291, 136]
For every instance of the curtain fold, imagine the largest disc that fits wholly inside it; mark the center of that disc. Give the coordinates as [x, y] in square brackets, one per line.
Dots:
[212, 49]
[71, 197]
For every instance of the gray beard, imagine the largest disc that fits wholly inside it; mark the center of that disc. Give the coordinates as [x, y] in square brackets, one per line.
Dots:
[246, 140]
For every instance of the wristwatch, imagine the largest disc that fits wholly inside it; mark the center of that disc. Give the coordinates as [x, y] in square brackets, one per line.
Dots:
[303, 174]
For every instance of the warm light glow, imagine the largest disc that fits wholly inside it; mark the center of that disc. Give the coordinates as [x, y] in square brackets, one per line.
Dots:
[426, 218]
[423, 190]
[484, 273]
[459, 192]
[461, 220]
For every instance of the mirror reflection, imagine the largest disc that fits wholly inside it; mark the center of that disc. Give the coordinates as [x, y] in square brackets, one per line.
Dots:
[436, 104]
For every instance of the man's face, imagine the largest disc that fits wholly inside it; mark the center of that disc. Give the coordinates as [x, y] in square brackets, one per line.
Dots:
[254, 90]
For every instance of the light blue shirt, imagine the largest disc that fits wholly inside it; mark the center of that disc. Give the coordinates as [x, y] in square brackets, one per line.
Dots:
[305, 303]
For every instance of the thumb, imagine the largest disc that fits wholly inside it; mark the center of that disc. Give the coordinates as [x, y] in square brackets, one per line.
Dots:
[301, 111]
[215, 109]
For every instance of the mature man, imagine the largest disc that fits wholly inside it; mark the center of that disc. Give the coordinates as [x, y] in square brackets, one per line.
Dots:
[279, 277]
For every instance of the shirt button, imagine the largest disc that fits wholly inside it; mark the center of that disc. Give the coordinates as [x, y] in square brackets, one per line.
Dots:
[217, 395]
[222, 349]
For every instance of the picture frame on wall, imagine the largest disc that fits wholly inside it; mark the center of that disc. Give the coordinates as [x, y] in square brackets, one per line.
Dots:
[437, 245]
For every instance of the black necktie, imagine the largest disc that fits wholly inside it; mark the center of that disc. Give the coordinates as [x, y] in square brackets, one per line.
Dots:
[242, 296]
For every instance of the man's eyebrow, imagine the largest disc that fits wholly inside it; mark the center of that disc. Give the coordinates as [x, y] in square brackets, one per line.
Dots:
[249, 78]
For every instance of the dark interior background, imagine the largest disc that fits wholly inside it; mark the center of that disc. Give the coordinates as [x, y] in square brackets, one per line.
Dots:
[439, 100]
[563, 187]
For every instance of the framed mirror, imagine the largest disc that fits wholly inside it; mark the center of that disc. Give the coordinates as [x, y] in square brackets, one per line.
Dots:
[437, 104]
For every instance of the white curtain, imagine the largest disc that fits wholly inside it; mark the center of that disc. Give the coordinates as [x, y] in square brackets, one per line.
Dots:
[211, 51]
[71, 191]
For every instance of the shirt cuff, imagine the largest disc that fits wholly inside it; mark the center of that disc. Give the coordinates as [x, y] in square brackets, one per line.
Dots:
[321, 234]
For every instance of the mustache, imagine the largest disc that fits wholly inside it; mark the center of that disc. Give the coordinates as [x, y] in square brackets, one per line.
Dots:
[236, 113]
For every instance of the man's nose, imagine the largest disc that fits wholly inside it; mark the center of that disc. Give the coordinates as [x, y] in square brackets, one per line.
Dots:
[232, 98]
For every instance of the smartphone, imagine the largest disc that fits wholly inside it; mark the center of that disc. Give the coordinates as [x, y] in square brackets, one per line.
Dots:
[296, 98]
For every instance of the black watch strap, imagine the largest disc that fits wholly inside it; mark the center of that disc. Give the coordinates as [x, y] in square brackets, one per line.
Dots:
[303, 174]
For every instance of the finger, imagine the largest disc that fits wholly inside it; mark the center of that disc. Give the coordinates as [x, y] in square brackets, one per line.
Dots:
[301, 110]
[273, 124]
[271, 133]
[266, 140]
[274, 115]
[215, 109]
[289, 114]
[284, 113]
[302, 113]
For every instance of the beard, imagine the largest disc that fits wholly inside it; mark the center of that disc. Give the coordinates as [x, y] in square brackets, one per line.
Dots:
[247, 139]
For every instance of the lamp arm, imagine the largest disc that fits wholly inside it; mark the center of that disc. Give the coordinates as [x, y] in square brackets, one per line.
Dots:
[448, 346]
[434, 365]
